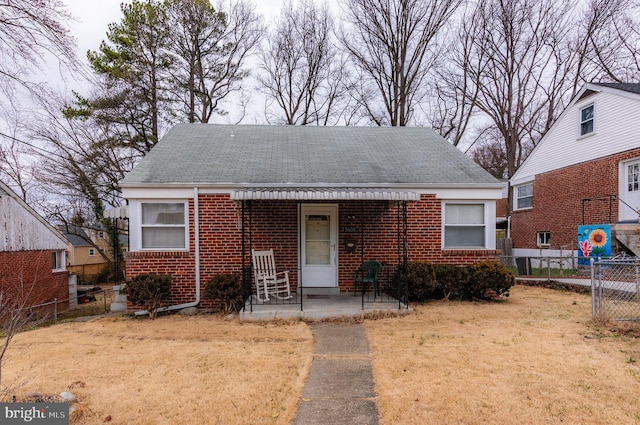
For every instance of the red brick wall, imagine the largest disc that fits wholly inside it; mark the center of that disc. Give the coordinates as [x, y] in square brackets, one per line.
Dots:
[29, 274]
[557, 201]
[274, 224]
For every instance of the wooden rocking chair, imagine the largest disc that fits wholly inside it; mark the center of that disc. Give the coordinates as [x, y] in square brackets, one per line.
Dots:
[268, 281]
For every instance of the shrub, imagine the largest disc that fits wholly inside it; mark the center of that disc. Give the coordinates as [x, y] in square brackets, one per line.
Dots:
[421, 279]
[451, 280]
[488, 279]
[226, 288]
[150, 291]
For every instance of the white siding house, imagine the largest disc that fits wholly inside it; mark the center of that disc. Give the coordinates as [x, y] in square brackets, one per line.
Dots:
[585, 170]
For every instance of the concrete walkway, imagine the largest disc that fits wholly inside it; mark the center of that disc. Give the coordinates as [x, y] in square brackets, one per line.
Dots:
[339, 389]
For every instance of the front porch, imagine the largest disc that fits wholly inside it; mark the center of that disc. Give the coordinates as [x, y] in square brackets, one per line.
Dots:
[319, 306]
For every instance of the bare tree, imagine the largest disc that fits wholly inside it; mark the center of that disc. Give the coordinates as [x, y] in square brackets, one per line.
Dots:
[393, 45]
[455, 88]
[210, 50]
[301, 71]
[32, 32]
[14, 157]
[515, 67]
[29, 30]
[612, 40]
[83, 162]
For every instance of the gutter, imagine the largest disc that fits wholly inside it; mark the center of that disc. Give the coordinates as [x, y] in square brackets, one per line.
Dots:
[196, 225]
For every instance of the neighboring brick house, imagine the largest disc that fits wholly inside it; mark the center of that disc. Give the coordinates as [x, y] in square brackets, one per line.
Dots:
[584, 171]
[324, 198]
[32, 254]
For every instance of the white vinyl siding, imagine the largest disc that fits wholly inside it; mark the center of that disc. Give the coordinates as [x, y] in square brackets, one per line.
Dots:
[163, 225]
[21, 229]
[617, 131]
[464, 226]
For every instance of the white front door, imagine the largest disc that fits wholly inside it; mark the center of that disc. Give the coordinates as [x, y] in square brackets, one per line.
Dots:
[318, 244]
[629, 190]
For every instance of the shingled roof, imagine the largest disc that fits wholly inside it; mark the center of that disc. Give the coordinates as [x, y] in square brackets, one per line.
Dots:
[252, 155]
[629, 87]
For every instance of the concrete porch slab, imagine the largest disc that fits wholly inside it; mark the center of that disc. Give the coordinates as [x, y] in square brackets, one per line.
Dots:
[316, 307]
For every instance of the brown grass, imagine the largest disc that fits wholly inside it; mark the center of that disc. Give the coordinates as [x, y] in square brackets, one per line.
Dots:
[537, 358]
[534, 359]
[200, 370]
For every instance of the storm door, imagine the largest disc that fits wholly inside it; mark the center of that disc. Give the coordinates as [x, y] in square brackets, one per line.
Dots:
[318, 245]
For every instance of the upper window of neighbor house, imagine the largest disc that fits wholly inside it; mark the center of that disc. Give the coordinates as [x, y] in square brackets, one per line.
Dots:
[524, 196]
[164, 225]
[586, 120]
[464, 226]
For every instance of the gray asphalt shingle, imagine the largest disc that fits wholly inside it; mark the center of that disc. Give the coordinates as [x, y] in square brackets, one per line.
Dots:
[299, 155]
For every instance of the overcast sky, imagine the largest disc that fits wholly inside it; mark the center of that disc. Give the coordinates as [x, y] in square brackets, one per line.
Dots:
[91, 24]
[94, 17]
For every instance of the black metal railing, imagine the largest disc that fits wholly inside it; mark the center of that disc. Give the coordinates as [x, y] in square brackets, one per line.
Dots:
[392, 287]
[607, 199]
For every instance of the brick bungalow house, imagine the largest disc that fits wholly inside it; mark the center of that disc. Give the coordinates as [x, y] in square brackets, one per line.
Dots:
[207, 194]
[584, 172]
[32, 254]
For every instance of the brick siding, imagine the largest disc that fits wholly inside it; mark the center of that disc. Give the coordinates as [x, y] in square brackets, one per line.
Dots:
[557, 201]
[274, 224]
[30, 272]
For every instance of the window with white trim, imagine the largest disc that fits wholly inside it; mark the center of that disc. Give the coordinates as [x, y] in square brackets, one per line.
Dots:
[586, 120]
[524, 196]
[164, 225]
[464, 225]
[544, 239]
[57, 260]
[92, 252]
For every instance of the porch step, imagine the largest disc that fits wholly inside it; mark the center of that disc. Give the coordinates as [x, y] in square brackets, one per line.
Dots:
[321, 291]
[629, 236]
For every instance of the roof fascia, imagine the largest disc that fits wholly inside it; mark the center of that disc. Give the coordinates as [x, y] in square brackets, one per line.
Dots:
[33, 212]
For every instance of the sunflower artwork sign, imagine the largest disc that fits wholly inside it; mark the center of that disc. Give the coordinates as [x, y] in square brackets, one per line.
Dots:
[593, 241]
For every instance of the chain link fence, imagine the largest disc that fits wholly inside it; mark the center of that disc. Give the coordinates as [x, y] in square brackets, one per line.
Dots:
[88, 301]
[545, 266]
[615, 288]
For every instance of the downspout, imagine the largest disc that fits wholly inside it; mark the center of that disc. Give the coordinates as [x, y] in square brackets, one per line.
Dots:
[196, 231]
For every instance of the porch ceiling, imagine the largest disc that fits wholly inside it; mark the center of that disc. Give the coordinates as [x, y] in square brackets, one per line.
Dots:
[325, 194]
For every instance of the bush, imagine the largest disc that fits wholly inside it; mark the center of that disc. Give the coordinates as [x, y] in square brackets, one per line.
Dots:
[151, 291]
[488, 279]
[481, 280]
[451, 280]
[226, 288]
[421, 279]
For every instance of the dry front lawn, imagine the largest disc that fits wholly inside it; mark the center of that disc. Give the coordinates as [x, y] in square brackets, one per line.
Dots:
[535, 359]
[172, 370]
